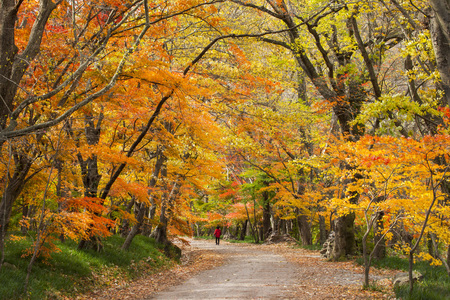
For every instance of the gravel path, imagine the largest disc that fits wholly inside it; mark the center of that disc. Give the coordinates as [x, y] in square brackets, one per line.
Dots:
[246, 274]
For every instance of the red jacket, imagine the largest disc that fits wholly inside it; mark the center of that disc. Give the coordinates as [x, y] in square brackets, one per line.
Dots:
[217, 232]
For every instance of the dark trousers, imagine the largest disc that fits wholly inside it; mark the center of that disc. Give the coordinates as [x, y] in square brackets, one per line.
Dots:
[217, 240]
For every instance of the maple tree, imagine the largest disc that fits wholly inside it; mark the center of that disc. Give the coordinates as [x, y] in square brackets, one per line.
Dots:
[100, 31]
[396, 187]
[161, 117]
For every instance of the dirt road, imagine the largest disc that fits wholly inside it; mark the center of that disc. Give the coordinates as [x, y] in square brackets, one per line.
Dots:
[248, 271]
[247, 274]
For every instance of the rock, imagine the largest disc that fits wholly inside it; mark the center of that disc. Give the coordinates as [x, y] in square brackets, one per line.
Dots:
[275, 239]
[9, 266]
[228, 236]
[328, 246]
[172, 251]
[403, 278]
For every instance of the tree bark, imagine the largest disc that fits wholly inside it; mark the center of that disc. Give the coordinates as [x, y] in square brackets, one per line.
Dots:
[160, 232]
[89, 168]
[13, 65]
[304, 229]
[440, 37]
[143, 207]
[15, 185]
[266, 215]
[124, 229]
[345, 236]
[323, 233]
[448, 256]
[244, 230]
[380, 251]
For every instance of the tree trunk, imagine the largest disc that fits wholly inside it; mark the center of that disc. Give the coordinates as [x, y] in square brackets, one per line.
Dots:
[89, 169]
[323, 232]
[252, 226]
[379, 251]
[282, 226]
[125, 228]
[160, 232]
[142, 207]
[345, 237]
[261, 233]
[266, 228]
[151, 215]
[448, 256]
[25, 210]
[276, 225]
[134, 230]
[13, 189]
[440, 37]
[304, 229]
[244, 230]
[13, 66]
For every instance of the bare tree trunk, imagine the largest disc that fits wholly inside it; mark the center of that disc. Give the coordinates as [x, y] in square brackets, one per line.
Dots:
[345, 236]
[323, 233]
[124, 229]
[12, 191]
[160, 232]
[25, 214]
[448, 258]
[282, 228]
[89, 169]
[134, 230]
[252, 226]
[151, 215]
[440, 37]
[304, 228]
[255, 222]
[266, 216]
[379, 251]
[244, 230]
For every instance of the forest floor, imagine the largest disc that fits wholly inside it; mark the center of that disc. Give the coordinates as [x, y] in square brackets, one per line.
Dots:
[247, 271]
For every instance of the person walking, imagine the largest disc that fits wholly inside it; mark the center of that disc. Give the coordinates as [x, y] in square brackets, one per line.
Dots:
[217, 234]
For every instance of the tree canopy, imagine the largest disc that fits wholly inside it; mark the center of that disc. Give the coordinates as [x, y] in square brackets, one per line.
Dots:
[167, 118]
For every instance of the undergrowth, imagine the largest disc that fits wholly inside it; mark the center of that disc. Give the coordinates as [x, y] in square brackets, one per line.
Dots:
[434, 286]
[71, 271]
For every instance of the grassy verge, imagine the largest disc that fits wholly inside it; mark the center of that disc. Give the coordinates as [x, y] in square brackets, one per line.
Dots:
[71, 271]
[435, 285]
[247, 239]
[314, 247]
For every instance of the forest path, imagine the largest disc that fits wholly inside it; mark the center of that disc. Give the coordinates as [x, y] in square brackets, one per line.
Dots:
[249, 271]
[246, 274]
[274, 272]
